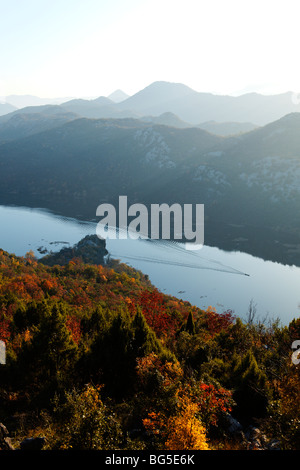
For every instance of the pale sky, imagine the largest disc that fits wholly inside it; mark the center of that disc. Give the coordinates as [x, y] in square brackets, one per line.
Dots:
[89, 48]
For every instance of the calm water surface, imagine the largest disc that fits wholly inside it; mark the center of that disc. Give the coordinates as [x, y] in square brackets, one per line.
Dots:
[209, 276]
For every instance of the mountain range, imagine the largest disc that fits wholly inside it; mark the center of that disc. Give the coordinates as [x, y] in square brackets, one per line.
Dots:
[249, 183]
[29, 121]
[187, 104]
[195, 107]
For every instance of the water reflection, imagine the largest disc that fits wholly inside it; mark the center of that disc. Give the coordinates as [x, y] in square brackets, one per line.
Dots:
[210, 276]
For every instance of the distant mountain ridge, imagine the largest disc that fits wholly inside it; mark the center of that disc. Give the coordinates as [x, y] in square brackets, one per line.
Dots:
[187, 104]
[21, 125]
[227, 128]
[23, 101]
[249, 183]
[167, 119]
[98, 108]
[195, 107]
[49, 110]
[6, 108]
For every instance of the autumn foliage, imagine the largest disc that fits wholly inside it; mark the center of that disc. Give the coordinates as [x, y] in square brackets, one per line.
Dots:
[103, 360]
[183, 431]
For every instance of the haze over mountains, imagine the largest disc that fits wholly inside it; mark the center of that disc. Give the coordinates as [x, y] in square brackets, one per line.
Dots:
[6, 108]
[21, 101]
[195, 107]
[188, 105]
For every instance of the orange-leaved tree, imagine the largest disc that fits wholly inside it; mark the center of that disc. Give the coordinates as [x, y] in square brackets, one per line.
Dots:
[183, 431]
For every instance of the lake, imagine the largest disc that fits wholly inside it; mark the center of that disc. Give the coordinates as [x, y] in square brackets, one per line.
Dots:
[206, 277]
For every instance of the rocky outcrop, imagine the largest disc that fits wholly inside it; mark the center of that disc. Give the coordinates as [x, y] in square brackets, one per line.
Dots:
[5, 441]
[91, 250]
[32, 443]
[251, 437]
[257, 440]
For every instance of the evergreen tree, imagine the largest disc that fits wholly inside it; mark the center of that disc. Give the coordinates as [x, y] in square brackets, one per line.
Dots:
[251, 392]
[47, 360]
[145, 340]
[190, 324]
[114, 352]
[111, 358]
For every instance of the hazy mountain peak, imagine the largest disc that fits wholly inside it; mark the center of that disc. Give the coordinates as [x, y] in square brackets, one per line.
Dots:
[166, 90]
[156, 93]
[169, 85]
[118, 96]
[103, 100]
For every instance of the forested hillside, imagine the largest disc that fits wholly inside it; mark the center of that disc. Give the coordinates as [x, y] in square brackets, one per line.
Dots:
[98, 358]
